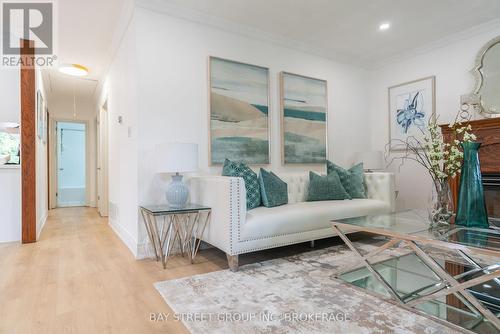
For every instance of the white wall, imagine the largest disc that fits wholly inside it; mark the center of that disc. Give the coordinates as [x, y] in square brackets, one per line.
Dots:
[10, 204]
[10, 103]
[10, 178]
[451, 65]
[120, 91]
[173, 102]
[158, 84]
[170, 57]
[61, 109]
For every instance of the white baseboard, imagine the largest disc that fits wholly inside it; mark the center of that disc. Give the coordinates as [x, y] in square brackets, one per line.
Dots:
[144, 251]
[41, 224]
[125, 236]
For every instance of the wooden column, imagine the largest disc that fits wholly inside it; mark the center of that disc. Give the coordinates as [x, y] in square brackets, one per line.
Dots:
[28, 143]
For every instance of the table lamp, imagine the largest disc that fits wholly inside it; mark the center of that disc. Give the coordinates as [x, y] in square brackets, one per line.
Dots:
[176, 158]
[372, 160]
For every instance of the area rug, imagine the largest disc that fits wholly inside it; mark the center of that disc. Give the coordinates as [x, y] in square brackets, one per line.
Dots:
[298, 294]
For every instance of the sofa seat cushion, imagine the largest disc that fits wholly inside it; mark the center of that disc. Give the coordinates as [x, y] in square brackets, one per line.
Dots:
[299, 217]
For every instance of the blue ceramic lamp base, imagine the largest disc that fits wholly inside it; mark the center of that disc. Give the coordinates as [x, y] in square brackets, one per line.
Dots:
[177, 192]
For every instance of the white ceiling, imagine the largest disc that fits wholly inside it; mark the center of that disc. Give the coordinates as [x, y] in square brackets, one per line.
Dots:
[345, 30]
[348, 29]
[84, 33]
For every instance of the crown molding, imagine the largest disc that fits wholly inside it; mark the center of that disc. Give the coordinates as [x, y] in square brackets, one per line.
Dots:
[161, 6]
[443, 42]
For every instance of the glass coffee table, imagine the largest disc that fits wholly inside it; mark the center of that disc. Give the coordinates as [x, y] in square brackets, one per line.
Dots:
[451, 273]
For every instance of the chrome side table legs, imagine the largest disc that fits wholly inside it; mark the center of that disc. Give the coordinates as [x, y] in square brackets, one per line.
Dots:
[176, 230]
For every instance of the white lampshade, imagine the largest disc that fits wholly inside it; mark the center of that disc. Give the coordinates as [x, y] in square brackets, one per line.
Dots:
[176, 157]
[373, 160]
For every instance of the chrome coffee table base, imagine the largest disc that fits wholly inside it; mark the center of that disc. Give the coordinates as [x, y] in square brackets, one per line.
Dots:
[175, 228]
[448, 285]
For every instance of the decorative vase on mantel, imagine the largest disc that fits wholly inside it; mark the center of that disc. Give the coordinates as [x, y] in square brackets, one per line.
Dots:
[441, 206]
[471, 210]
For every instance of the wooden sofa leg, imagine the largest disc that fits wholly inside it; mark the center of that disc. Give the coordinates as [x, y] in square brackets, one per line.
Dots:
[311, 243]
[232, 260]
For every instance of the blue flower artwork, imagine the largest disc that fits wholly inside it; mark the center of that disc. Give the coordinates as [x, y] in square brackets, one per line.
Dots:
[411, 106]
[412, 112]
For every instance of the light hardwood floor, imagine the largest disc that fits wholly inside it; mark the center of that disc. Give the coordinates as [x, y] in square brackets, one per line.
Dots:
[80, 278]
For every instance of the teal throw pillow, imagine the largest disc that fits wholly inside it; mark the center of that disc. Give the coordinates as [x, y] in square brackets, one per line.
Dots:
[239, 169]
[326, 187]
[353, 179]
[273, 190]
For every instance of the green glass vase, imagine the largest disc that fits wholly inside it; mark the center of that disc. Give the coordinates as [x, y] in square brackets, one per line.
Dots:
[471, 209]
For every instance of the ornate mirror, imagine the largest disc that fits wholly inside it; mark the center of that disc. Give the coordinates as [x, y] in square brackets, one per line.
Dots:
[487, 75]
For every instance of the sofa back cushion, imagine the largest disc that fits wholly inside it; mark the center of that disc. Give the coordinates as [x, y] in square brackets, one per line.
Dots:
[239, 169]
[273, 190]
[297, 185]
[326, 188]
[352, 179]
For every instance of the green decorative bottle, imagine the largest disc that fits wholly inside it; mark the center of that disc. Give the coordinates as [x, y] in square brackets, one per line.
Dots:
[471, 211]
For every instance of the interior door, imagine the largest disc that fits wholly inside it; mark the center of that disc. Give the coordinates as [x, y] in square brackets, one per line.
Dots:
[102, 162]
[71, 164]
[98, 163]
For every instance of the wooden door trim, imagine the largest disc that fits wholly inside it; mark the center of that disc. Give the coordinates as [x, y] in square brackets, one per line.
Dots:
[28, 144]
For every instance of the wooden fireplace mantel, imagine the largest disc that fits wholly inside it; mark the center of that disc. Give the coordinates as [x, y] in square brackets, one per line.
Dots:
[487, 132]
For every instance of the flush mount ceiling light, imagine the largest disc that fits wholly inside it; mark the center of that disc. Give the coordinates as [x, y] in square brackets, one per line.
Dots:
[384, 26]
[76, 70]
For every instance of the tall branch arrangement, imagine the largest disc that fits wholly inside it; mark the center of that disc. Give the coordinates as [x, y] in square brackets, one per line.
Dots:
[441, 160]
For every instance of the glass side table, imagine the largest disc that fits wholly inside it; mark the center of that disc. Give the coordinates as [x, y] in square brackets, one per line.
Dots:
[166, 226]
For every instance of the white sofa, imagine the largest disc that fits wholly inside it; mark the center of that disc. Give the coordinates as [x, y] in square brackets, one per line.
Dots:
[236, 231]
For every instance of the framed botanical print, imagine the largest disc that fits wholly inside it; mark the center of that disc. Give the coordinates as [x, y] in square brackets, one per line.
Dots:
[411, 106]
[304, 113]
[239, 108]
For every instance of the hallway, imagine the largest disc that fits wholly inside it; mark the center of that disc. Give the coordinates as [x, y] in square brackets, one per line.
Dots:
[80, 278]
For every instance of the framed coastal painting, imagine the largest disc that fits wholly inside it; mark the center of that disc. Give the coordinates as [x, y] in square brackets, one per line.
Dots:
[304, 110]
[239, 106]
[411, 106]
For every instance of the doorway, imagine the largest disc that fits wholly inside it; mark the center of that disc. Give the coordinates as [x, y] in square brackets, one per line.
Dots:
[71, 164]
[102, 161]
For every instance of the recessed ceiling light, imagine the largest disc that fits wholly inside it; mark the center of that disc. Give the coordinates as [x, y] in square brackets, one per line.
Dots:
[76, 70]
[384, 26]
